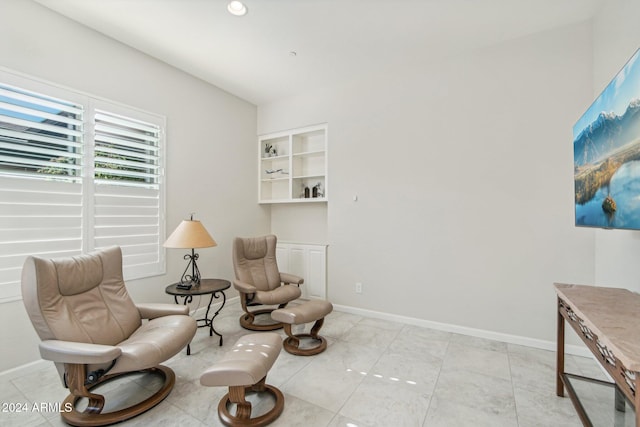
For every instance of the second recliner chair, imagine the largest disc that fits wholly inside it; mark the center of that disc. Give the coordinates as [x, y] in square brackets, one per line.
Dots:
[259, 281]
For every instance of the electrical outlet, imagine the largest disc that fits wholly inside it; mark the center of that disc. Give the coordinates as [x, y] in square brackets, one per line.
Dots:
[358, 288]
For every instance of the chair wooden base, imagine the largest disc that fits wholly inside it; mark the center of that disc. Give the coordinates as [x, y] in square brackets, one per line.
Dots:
[242, 418]
[247, 319]
[92, 415]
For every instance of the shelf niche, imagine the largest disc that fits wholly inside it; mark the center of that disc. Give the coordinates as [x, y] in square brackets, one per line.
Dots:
[292, 161]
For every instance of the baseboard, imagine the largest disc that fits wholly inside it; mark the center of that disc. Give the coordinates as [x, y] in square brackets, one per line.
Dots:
[463, 330]
[25, 369]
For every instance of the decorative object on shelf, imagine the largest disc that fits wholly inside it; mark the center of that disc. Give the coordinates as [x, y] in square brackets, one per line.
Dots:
[270, 150]
[317, 190]
[272, 171]
[190, 234]
[306, 192]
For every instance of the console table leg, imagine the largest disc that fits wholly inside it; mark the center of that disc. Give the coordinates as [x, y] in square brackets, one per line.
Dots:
[636, 399]
[560, 354]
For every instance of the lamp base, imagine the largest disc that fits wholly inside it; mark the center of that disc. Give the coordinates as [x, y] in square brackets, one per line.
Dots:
[187, 281]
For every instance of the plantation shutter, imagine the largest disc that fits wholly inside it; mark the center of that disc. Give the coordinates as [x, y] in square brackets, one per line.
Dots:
[128, 201]
[41, 197]
[77, 174]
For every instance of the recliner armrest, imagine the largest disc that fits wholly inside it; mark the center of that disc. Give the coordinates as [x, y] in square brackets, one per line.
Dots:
[154, 310]
[243, 287]
[291, 279]
[78, 352]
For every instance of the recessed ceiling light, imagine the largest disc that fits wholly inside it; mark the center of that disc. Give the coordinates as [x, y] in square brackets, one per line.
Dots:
[237, 8]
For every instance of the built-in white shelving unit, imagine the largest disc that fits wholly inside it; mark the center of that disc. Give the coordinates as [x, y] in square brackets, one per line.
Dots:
[293, 166]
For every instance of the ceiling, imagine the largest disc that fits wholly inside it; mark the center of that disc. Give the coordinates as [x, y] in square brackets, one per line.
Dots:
[335, 41]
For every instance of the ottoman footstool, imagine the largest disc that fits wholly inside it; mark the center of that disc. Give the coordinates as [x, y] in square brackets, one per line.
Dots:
[308, 311]
[244, 368]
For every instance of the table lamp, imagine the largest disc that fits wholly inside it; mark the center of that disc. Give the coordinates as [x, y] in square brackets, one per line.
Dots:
[190, 234]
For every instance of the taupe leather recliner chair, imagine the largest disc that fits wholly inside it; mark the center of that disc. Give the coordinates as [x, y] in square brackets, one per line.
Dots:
[259, 281]
[93, 332]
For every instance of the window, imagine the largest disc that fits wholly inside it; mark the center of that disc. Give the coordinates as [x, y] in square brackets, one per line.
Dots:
[77, 174]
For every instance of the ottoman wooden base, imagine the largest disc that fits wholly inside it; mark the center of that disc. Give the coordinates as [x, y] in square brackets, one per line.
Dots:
[314, 310]
[243, 409]
[291, 344]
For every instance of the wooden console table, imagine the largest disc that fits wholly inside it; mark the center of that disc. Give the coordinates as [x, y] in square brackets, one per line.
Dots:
[608, 321]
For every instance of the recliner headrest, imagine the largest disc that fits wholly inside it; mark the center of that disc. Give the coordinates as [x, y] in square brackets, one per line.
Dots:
[255, 248]
[78, 274]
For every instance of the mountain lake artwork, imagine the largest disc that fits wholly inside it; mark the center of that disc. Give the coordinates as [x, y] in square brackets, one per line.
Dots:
[606, 155]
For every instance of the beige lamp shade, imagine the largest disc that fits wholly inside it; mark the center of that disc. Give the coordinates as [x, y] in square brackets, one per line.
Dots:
[190, 234]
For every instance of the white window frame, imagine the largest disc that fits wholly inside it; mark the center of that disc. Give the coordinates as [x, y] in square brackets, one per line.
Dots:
[11, 291]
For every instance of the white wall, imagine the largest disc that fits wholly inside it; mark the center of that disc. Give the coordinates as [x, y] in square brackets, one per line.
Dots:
[463, 172]
[210, 143]
[616, 36]
[303, 223]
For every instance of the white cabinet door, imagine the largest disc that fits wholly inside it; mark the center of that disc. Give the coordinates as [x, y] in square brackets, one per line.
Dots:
[282, 257]
[307, 261]
[298, 261]
[317, 272]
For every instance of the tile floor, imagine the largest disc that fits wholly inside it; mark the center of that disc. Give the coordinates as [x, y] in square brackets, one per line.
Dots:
[373, 373]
